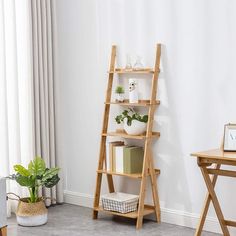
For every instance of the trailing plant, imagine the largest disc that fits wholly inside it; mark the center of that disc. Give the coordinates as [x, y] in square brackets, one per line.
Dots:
[131, 115]
[35, 176]
[120, 90]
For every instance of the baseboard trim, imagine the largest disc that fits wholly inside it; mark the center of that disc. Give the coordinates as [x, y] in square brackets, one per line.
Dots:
[170, 216]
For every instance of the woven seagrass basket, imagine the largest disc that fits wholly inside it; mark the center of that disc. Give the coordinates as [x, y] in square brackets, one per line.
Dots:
[30, 214]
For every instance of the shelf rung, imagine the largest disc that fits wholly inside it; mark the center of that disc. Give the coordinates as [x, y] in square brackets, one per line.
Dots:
[147, 210]
[125, 135]
[141, 103]
[135, 176]
[125, 71]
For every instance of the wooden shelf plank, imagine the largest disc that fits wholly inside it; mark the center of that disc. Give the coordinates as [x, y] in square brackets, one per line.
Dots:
[125, 135]
[147, 210]
[135, 176]
[141, 103]
[126, 71]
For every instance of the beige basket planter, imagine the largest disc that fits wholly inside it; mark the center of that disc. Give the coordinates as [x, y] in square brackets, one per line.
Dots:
[31, 214]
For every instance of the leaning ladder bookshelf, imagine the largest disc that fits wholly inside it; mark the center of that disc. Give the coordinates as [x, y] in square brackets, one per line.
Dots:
[148, 164]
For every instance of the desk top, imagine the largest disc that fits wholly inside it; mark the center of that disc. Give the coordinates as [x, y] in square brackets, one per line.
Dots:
[216, 154]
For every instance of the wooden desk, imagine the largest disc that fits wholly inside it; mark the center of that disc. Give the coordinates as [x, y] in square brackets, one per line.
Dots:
[205, 160]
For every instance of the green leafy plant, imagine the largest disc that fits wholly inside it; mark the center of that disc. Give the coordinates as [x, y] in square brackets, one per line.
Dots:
[131, 115]
[36, 176]
[120, 90]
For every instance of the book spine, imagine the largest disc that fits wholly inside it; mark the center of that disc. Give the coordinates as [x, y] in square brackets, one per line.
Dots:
[110, 156]
[119, 159]
[114, 159]
[107, 163]
[136, 160]
[126, 162]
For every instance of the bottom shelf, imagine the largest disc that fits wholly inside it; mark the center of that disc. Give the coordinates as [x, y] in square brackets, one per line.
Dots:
[147, 210]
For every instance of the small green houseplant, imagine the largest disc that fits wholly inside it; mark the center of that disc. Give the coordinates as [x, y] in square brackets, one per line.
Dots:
[134, 123]
[130, 115]
[119, 93]
[31, 211]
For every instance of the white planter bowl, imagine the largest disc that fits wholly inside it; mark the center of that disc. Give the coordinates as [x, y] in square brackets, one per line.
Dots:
[120, 97]
[136, 127]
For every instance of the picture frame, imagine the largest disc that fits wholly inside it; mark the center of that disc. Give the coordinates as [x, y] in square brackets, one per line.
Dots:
[229, 138]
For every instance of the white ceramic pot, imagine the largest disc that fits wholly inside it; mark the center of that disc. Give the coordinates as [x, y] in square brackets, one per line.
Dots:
[120, 97]
[136, 127]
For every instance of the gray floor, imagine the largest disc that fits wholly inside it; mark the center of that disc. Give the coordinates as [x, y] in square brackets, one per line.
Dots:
[70, 220]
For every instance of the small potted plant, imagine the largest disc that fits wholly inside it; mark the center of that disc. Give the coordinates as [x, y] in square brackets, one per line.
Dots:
[31, 211]
[120, 94]
[134, 123]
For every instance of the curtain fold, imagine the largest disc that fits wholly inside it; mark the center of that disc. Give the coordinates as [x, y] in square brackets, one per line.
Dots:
[43, 87]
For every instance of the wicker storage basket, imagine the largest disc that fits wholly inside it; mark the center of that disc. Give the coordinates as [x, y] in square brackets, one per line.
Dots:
[120, 202]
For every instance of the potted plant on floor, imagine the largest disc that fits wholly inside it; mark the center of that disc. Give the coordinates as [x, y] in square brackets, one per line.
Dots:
[134, 123]
[31, 211]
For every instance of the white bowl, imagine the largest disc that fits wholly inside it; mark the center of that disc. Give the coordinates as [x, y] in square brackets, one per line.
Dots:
[136, 127]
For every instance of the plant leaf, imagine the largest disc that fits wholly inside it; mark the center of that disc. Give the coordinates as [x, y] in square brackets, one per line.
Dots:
[25, 181]
[50, 173]
[52, 182]
[37, 167]
[21, 170]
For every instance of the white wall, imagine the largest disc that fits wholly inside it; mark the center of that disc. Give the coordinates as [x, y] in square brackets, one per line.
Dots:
[197, 91]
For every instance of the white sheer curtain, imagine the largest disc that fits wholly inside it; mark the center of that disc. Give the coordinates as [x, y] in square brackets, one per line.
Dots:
[26, 87]
[16, 103]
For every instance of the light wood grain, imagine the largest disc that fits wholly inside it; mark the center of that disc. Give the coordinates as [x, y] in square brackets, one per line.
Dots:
[147, 163]
[141, 103]
[215, 201]
[147, 210]
[216, 153]
[206, 205]
[125, 71]
[125, 135]
[148, 166]
[230, 223]
[3, 231]
[102, 154]
[134, 176]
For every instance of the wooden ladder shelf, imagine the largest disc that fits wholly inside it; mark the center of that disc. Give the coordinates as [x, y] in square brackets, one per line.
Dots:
[148, 164]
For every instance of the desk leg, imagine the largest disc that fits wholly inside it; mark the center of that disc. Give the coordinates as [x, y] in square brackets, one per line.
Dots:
[206, 205]
[3, 231]
[215, 201]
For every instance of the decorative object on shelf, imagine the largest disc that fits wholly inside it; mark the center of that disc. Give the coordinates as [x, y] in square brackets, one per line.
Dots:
[120, 202]
[133, 160]
[230, 137]
[124, 159]
[138, 63]
[134, 123]
[110, 153]
[133, 91]
[31, 211]
[120, 94]
[128, 65]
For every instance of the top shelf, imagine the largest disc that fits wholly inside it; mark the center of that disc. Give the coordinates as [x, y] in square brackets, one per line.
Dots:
[132, 71]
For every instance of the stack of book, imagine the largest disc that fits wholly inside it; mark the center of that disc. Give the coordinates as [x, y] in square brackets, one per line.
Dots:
[124, 159]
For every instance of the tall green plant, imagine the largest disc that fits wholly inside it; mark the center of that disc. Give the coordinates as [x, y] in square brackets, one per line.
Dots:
[36, 176]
